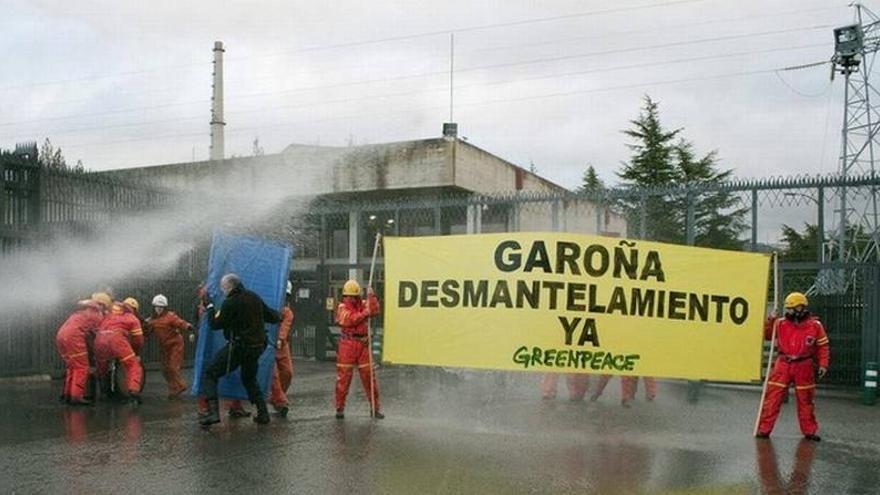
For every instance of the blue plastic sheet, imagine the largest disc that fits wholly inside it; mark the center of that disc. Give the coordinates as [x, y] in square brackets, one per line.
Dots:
[263, 267]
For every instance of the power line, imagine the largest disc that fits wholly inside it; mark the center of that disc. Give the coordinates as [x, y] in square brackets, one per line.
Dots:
[435, 73]
[366, 42]
[464, 86]
[443, 106]
[481, 27]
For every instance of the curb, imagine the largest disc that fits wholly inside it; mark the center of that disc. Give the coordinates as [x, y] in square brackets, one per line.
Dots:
[25, 379]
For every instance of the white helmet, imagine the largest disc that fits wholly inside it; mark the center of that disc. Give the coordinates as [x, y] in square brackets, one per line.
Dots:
[289, 287]
[160, 301]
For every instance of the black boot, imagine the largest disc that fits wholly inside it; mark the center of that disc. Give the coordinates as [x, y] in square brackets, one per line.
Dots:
[340, 414]
[213, 416]
[262, 416]
[813, 438]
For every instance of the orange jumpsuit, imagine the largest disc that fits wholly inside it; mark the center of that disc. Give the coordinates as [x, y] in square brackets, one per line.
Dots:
[283, 361]
[354, 349]
[120, 337]
[578, 384]
[167, 328]
[799, 344]
[71, 343]
[628, 387]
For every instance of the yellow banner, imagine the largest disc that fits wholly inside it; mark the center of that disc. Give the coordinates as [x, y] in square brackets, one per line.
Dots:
[570, 303]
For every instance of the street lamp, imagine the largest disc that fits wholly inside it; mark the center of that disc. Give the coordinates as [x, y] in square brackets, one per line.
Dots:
[820, 220]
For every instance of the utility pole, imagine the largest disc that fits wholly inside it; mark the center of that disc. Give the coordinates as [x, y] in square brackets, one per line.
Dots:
[855, 47]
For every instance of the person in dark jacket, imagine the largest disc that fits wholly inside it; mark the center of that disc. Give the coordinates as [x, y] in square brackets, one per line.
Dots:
[242, 317]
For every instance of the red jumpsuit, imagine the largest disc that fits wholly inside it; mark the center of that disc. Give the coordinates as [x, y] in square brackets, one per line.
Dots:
[354, 349]
[283, 361]
[167, 328]
[799, 344]
[71, 343]
[578, 384]
[120, 337]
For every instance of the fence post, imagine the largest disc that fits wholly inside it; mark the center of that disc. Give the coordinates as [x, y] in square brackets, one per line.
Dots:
[754, 219]
[643, 221]
[869, 389]
[820, 224]
[694, 386]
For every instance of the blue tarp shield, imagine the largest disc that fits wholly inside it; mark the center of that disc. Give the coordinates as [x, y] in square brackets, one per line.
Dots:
[263, 267]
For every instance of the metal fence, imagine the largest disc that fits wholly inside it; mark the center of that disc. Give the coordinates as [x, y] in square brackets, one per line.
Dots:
[342, 232]
[333, 238]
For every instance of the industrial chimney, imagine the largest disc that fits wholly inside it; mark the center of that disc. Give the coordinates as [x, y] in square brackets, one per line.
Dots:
[217, 123]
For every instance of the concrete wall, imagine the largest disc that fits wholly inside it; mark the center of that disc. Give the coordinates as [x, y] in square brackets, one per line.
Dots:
[570, 216]
[311, 170]
[480, 171]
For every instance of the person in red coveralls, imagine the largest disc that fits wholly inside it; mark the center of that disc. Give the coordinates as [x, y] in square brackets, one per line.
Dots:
[628, 387]
[120, 337]
[578, 384]
[352, 315]
[801, 340]
[283, 361]
[169, 329]
[72, 345]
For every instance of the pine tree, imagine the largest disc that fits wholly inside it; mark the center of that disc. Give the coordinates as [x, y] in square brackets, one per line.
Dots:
[651, 165]
[662, 158]
[591, 183]
[719, 217]
[799, 246]
[50, 156]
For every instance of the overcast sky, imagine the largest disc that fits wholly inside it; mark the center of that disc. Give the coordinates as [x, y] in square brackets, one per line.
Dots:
[121, 84]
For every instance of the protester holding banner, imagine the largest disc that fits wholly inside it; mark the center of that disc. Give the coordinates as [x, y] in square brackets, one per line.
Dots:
[242, 318]
[578, 384]
[801, 340]
[628, 387]
[352, 315]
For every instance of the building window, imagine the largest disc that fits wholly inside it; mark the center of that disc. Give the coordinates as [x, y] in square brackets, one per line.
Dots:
[336, 228]
[495, 218]
[372, 223]
[416, 223]
[453, 220]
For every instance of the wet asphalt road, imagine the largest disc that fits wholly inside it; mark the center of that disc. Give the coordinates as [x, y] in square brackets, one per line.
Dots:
[445, 433]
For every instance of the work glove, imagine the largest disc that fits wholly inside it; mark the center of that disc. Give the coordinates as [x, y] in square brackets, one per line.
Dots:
[192, 337]
[279, 344]
[822, 372]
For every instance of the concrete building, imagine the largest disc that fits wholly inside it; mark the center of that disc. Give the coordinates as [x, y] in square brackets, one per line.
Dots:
[330, 201]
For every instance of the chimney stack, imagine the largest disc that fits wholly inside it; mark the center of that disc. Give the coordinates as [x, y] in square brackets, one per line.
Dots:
[218, 150]
[450, 130]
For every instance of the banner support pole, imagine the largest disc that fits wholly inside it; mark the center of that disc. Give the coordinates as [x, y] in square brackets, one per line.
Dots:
[772, 341]
[370, 330]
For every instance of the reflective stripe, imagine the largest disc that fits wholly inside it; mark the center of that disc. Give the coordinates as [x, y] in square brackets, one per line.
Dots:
[137, 332]
[126, 358]
[804, 387]
[777, 384]
[366, 365]
[78, 354]
[344, 365]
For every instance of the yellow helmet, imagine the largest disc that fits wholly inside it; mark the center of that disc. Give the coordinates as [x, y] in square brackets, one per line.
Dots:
[131, 303]
[351, 288]
[795, 299]
[103, 299]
